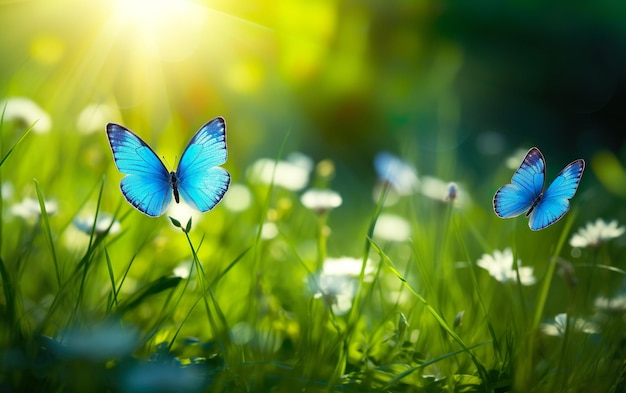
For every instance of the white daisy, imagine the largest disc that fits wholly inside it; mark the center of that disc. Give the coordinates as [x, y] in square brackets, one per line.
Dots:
[27, 112]
[500, 266]
[441, 190]
[616, 305]
[595, 233]
[392, 228]
[29, 208]
[321, 201]
[95, 116]
[337, 283]
[560, 324]
[104, 221]
[238, 198]
[400, 175]
[292, 174]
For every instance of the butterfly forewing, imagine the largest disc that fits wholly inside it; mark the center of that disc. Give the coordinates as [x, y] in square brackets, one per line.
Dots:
[526, 186]
[202, 183]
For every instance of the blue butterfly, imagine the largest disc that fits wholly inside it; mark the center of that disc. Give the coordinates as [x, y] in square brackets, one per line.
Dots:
[148, 185]
[525, 193]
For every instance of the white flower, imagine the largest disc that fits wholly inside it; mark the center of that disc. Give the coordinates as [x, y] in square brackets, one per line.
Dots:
[95, 116]
[337, 292]
[183, 213]
[560, 324]
[269, 230]
[26, 111]
[321, 201]
[392, 228]
[29, 208]
[183, 269]
[346, 266]
[292, 174]
[7, 190]
[401, 176]
[238, 198]
[104, 221]
[617, 305]
[441, 190]
[500, 266]
[595, 233]
[337, 283]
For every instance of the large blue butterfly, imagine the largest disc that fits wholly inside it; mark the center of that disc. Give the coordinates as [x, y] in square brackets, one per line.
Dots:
[148, 185]
[525, 193]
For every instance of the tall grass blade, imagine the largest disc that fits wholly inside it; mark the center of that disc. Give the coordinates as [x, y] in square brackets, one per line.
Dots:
[444, 325]
[10, 151]
[155, 287]
[48, 232]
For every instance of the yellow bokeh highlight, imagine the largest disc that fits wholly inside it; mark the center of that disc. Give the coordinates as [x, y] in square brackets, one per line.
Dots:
[305, 29]
[610, 172]
[46, 49]
[246, 77]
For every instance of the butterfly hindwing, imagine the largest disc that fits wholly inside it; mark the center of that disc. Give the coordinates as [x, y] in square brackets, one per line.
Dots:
[201, 183]
[147, 182]
[526, 186]
[555, 200]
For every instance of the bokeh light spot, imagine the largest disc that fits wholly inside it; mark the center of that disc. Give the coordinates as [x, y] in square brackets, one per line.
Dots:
[46, 49]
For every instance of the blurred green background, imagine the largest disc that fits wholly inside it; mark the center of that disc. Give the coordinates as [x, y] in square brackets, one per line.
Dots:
[456, 86]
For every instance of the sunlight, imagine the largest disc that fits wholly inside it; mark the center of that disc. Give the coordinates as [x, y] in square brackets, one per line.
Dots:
[167, 28]
[148, 13]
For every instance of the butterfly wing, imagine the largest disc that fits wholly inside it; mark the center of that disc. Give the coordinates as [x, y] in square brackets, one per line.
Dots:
[201, 182]
[555, 201]
[526, 186]
[146, 185]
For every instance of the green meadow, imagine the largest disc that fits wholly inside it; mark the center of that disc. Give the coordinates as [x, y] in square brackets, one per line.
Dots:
[357, 248]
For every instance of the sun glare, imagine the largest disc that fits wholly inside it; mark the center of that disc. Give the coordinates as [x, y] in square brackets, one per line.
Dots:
[169, 27]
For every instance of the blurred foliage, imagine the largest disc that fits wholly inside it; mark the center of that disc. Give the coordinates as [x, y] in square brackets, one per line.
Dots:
[453, 87]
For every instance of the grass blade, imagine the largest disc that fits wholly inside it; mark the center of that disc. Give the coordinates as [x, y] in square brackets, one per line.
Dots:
[46, 227]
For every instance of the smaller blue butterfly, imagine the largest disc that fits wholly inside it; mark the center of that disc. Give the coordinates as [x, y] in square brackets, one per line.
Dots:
[149, 186]
[525, 193]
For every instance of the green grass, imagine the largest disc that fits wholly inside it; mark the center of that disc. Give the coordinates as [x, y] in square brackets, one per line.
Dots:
[102, 310]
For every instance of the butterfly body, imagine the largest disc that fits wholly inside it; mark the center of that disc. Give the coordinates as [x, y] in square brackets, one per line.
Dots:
[525, 193]
[149, 186]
